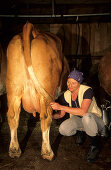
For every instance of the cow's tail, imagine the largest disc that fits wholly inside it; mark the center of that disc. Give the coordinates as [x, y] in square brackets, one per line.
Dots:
[29, 29]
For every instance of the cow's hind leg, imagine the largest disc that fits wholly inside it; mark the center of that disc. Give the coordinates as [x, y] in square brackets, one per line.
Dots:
[13, 121]
[46, 120]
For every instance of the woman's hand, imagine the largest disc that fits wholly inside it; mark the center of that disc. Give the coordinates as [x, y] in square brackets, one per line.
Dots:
[55, 106]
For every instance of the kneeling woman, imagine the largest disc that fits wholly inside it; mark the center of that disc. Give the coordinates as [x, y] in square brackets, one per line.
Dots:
[85, 115]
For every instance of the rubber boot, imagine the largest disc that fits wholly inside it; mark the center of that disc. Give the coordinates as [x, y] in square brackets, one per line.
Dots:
[94, 149]
[105, 132]
[80, 138]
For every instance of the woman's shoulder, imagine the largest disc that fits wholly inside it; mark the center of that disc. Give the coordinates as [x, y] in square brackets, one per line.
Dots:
[82, 86]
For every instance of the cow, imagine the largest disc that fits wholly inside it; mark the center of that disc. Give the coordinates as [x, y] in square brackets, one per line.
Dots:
[36, 69]
[104, 73]
[3, 69]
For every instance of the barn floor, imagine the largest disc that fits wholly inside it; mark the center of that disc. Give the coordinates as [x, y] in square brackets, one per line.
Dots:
[68, 156]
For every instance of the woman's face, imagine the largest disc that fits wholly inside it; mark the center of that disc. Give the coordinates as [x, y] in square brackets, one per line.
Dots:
[72, 85]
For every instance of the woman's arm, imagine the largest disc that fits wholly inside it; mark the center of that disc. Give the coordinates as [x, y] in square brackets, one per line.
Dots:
[75, 111]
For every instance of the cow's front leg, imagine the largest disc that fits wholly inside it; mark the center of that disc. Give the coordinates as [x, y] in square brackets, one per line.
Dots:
[13, 120]
[46, 120]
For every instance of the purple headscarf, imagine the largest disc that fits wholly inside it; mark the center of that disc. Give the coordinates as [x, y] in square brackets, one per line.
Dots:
[76, 75]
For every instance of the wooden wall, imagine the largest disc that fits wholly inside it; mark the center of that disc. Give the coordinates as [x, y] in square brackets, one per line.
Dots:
[94, 38]
[83, 43]
[81, 39]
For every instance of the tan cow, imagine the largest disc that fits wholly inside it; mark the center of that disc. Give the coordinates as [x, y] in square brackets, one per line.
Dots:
[104, 73]
[35, 70]
[3, 67]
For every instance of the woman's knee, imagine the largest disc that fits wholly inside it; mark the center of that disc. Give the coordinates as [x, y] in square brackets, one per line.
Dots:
[62, 130]
[66, 130]
[90, 125]
[87, 118]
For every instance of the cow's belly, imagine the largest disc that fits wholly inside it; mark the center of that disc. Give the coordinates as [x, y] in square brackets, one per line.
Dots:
[30, 99]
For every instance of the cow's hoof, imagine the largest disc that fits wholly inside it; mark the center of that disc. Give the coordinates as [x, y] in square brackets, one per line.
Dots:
[49, 156]
[13, 152]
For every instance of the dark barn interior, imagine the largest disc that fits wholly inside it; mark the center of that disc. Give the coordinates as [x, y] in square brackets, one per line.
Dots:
[84, 27]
